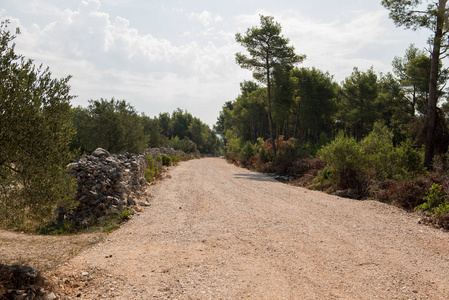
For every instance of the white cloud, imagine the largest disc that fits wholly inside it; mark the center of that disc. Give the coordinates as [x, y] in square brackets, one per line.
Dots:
[39, 7]
[205, 17]
[109, 58]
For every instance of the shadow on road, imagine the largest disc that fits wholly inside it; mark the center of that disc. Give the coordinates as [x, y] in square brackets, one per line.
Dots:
[256, 177]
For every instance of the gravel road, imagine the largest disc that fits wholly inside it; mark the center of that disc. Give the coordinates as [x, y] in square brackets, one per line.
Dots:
[216, 231]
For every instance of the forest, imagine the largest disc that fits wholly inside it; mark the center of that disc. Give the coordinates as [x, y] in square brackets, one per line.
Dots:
[373, 135]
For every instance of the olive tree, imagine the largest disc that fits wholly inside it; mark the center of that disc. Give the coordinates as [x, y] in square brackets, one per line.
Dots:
[35, 133]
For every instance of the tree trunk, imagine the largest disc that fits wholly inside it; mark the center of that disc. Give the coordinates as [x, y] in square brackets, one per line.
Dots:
[270, 119]
[433, 87]
[295, 133]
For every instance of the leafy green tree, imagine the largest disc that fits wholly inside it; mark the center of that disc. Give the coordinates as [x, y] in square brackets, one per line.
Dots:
[198, 132]
[359, 92]
[35, 134]
[316, 91]
[224, 120]
[182, 131]
[267, 50]
[164, 121]
[413, 70]
[180, 122]
[392, 107]
[113, 125]
[246, 115]
[436, 18]
[249, 115]
[153, 132]
[284, 99]
[185, 145]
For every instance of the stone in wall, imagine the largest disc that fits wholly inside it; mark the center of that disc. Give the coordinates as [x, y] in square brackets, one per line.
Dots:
[106, 184]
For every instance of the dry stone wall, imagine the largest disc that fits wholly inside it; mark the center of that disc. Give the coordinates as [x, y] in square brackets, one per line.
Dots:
[108, 183]
[160, 151]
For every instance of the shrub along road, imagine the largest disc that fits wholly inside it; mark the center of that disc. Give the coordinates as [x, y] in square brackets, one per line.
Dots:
[215, 231]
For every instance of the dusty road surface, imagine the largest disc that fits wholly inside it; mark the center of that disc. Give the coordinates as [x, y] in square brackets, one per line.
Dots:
[215, 231]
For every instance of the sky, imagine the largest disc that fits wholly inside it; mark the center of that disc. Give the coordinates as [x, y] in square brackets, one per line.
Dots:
[160, 55]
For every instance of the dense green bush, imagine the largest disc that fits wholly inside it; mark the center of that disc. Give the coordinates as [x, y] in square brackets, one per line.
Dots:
[247, 152]
[408, 162]
[379, 151]
[185, 145]
[390, 162]
[151, 171]
[167, 160]
[176, 158]
[346, 159]
[356, 165]
[436, 202]
[155, 165]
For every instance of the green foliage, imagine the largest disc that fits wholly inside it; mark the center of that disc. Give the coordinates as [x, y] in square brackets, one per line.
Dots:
[115, 126]
[375, 157]
[316, 91]
[436, 202]
[392, 108]
[149, 174]
[35, 133]
[112, 125]
[176, 158]
[284, 94]
[410, 15]
[267, 49]
[379, 151]
[346, 158]
[151, 171]
[407, 161]
[188, 134]
[186, 145]
[247, 152]
[150, 161]
[126, 214]
[167, 160]
[265, 150]
[435, 18]
[153, 132]
[413, 71]
[65, 227]
[233, 146]
[324, 180]
[357, 106]
[389, 162]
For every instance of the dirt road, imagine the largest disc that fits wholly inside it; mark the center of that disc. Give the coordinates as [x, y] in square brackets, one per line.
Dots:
[215, 231]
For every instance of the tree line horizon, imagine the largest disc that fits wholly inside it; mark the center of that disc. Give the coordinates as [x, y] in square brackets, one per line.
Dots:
[285, 101]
